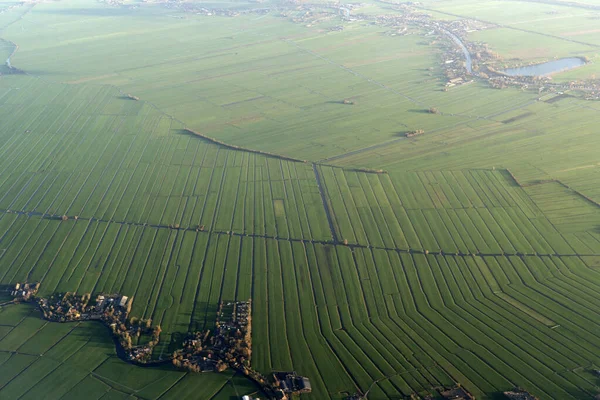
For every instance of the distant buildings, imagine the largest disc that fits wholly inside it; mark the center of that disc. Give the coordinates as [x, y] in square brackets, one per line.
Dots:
[457, 393]
[290, 382]
[24, 291]
[519, 394]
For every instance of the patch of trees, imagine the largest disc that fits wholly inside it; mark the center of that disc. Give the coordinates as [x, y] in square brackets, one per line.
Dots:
[415, 133]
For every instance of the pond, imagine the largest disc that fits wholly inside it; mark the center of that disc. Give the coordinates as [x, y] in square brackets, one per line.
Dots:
[547, 68]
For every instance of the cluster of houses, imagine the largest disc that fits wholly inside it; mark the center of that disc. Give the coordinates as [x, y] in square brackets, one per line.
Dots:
[483, 62]
[460, 393]
[24, 291]
[67, 307]
[519, 394]
[229, 344]
[110, 309]
[285, 385]
[457, 393]
[291, 383]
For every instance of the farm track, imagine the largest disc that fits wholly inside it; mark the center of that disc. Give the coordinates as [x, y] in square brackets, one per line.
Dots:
[314, 241]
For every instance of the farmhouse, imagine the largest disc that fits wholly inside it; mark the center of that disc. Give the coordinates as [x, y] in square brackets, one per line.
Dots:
[457, 393]
[25, 291]
[519, 394]
[290, 382]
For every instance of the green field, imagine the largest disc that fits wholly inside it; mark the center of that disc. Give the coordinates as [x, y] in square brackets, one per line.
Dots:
[474, 258]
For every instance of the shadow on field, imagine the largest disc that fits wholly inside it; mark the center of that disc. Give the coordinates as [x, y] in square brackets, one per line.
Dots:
[185, 132]
[177, 339]
[341, 102]
[6, 288]
[578, 394]
[419, 110]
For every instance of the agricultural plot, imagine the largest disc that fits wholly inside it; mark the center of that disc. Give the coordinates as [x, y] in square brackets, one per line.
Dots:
[92, 154]
[414, 322]
[450, 212]
[568, 210]
[536, 140]
[547, 22]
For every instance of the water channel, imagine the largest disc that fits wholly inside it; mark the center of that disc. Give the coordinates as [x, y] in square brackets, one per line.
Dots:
[547, 68]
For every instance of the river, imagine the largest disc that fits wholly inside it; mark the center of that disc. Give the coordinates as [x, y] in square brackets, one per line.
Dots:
[456, 39]
[547, 68]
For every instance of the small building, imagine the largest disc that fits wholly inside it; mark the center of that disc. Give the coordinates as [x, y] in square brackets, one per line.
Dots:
[457, 393]
[290, 382]
[123, 301]
[519, 394]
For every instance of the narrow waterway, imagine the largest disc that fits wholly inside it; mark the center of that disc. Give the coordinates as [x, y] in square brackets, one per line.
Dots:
[456, 39]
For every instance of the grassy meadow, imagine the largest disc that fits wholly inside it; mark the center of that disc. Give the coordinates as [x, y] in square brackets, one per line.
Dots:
[473, 259]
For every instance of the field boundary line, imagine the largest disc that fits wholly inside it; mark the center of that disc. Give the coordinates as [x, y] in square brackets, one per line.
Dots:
[443, 252]
[326, 205]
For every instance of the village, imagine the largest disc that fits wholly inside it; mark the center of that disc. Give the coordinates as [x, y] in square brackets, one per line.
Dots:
[227, 345]
[462, 61]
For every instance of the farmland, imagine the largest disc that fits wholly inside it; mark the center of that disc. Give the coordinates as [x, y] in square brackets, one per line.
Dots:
[375, 263]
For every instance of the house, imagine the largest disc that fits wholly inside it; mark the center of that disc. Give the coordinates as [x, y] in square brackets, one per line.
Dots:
[303, 385]
[457, 393]
[519, 394]
[290, 382]
[123, 301]
[99, 301]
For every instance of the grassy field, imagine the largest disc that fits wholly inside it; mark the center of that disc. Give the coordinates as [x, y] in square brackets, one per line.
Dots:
[474, 259]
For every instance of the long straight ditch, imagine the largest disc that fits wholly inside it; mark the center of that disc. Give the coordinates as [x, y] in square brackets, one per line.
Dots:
[325, 203]
[300, 240]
